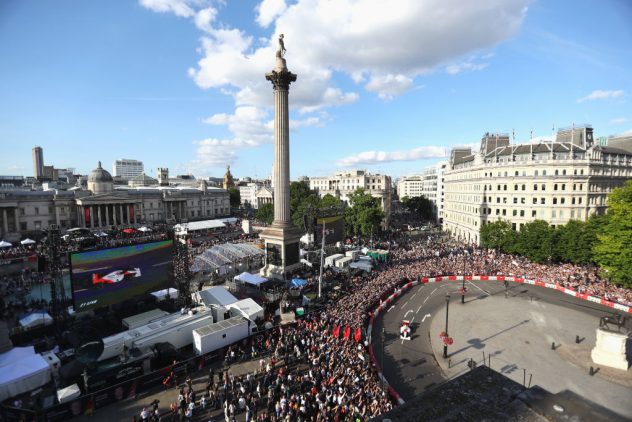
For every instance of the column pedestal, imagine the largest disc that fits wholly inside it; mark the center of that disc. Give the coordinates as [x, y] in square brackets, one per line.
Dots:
[282, 251]
[610, 349]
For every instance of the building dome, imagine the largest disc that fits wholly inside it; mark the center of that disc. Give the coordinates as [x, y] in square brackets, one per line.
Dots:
[100, 181]
[100, 175]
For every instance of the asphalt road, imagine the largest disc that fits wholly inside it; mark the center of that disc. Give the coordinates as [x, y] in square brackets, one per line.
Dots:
[411, 367]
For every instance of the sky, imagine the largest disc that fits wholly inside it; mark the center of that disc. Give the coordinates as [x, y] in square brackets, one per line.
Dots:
[385, 86]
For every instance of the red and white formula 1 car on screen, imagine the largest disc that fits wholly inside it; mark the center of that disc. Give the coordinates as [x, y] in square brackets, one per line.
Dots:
[115, 276]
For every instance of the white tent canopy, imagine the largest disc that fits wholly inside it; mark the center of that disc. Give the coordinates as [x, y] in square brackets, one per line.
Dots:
[34, 319]
[22, 370]
[144, 229]
[4, 244]
[28, 241]
[198, 226]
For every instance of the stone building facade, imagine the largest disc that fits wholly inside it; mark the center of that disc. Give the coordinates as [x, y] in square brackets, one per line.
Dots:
[567, 179]
[22, 211]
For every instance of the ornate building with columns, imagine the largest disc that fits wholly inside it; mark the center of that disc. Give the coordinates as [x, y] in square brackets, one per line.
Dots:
[104, 206]
[568, 178]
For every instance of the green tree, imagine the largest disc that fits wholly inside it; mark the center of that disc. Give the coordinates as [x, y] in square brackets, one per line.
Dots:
[420, 206]
[535, 241]
[302, 198]
[498, 235]
[613, 250]
[574, 242]
[329, 200]
[265, 213]
[235, 197]
[364, 215]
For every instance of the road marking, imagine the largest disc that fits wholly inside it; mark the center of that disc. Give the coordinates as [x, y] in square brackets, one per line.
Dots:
[418, 309]
[424, 318]
[389, 309]
[413, 296]
[407, 312]
[482, 290]
[411, 321]
[404, 305]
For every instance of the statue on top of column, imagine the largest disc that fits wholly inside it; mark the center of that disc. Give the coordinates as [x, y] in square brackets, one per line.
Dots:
[281, 51]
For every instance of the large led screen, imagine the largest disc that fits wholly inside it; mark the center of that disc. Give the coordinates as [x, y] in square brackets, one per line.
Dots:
[334, 229]
[107, 276]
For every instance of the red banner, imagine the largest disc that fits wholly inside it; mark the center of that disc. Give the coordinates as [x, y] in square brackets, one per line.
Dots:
[347, 333]
[358, 335]
[130, 211]
[86, 215]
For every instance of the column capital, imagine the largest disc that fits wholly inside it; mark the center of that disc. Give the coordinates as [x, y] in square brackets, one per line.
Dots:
[281, 79]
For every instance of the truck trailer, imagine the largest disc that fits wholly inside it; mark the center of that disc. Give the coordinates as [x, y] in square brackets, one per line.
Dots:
[220, 334]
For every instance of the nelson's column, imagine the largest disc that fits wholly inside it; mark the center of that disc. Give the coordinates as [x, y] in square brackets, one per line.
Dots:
[281, 238]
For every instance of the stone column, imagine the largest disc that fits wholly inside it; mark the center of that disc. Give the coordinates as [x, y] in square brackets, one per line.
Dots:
[92, 216]
[99, 214]
[281, 79]
[120, 208]
[57, 215]
[129, 221]
[107, 215]
[5, 222]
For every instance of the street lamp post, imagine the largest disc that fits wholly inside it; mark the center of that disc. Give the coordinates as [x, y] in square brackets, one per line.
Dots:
[463, 286]
[447, 307]
[322, 260]
[382, 359]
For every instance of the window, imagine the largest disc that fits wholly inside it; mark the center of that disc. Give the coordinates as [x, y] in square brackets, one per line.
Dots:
[515, 200]
[22, 223]
[555, 186]
[543, 201]
[557, 172]
[515, 187]
[535, 201]
[151, 215]
[533, 213]
[563, 186]
[554, 201]
[515, 213]
[22, 212]
[581, 172]
[504, 212]
[543, 187]
[37, 213]
[192, 214]
[554, 214]
[497, 211]
[573, 201]
[536, 172]
[523, 200]
[580, 200]
[505, 187]
[498, 200]
[543, 172]
[516, 173]
[521, 213]
[563, 172]
[535, 187]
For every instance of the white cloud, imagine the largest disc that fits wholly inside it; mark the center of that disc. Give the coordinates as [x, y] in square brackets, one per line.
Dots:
[618, 121]
[601, 95]
[180, 8]
[204, 18]
[379, 157]
[268, 10]
[381, 46]
[453, 69]
[389, 86]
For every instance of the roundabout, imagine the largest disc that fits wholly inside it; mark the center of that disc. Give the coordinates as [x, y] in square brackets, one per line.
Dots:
[531, 334]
